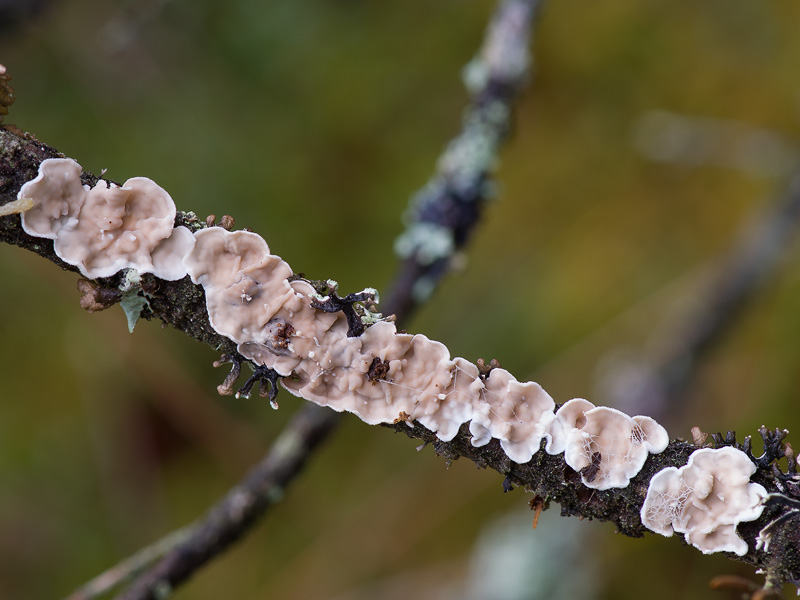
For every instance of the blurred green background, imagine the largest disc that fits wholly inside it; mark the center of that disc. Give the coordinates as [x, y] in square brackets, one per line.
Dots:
[313, 123]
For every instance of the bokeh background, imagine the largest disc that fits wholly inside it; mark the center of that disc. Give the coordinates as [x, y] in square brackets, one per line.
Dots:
[313, 123]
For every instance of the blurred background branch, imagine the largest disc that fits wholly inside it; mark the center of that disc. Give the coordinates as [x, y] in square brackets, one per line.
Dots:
[14, 13]
[236, 514]
[444, 213]
[656, 382]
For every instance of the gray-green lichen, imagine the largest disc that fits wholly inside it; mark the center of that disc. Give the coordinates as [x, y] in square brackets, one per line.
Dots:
[427, 242]
[133, 300]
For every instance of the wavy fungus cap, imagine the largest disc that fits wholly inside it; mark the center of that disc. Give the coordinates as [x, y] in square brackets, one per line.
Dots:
[107, 228]
[705, 500]
[612, 447]
[605, 445]
[515, 413]
[245, 285]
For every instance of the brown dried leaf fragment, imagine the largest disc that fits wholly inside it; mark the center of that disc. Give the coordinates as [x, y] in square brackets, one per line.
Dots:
[95, 297]
[378, 370]
[590, 471]
[227, 222]
[698, 437]
[281, 334]
[403, 417]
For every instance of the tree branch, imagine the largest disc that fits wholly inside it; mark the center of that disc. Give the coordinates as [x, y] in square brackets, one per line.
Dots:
[241, 507]
[445, 211]
[547, 476]
[131, 566]
[654, 385]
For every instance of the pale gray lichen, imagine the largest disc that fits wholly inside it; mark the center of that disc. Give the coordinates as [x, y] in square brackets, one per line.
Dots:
[427, 242]
[132, 302]
[475, 75]
[471, 155]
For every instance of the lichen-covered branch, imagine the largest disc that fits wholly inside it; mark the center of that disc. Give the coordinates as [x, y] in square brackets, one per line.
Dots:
[465, 411]
[129, 568]
[443, 214]
[496, 76]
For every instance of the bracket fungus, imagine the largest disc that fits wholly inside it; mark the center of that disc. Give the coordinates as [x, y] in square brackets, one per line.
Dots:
[515, 413]
[705, 500]
[107, 228]
[604, 444]
[245, 285]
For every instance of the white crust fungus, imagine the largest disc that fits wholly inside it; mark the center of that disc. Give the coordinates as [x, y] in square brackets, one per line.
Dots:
[605, 445]
[381, 376]
[515, 413]
[245, 285]
[705, 500]
[570, 416]
[105, 229]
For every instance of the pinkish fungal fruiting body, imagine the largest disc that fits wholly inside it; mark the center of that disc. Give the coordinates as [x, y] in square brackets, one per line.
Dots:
[381, 376]
[605, 445]
[705, 500]
[107, 228]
